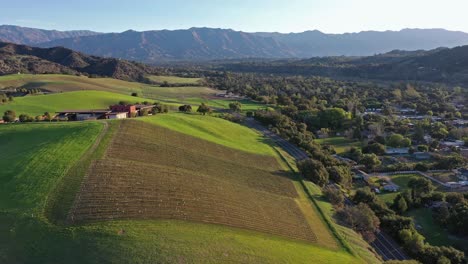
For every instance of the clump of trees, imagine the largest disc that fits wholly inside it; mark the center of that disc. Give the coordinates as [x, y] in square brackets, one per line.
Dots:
[204, 109]
[9, 116]
[397, 141]
[360, 218]
[314, 171]
[235, 106]
[185, 108]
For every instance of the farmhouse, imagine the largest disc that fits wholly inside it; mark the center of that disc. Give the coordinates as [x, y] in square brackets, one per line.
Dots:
[132, 110]
[114, 112]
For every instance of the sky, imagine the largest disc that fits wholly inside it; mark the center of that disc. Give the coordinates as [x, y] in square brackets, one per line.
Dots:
[329, 16]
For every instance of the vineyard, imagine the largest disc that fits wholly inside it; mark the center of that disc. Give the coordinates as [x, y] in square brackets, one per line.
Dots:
[151, 172]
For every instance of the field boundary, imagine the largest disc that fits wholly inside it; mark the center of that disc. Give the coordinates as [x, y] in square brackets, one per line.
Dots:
[60, 200]
[344, 244]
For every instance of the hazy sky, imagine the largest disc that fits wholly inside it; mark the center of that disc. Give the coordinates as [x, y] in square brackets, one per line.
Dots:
[330, 16]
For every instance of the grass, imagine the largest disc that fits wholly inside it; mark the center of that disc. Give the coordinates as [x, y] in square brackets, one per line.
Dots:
[402, 181]
[433, 233]
[61, 198]
[340, 144]
[27, 240]
[37, 105]
[34, 157]
[57, 83]
[348, 237]
[174, 79]
[215, 130]
[68, 83]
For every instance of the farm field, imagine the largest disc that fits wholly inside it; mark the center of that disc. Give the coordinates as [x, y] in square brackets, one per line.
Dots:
[249, 193]
[339, 144]
[68, 83]
[36, 240]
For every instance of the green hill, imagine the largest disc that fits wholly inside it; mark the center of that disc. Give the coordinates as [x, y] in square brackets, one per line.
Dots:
[38, 104]
[58, 83]
[252, 210]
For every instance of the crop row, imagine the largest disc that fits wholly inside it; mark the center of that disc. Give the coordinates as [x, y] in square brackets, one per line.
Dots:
[150, 172]
[117, 189]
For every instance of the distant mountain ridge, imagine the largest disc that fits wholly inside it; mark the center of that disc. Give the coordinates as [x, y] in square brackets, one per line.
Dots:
[198, 44]
[32, 36]
[368, 43]
[444, 65]
[190, 44]
[24, 59]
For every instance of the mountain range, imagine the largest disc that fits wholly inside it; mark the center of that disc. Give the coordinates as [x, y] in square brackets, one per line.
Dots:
[197, 44]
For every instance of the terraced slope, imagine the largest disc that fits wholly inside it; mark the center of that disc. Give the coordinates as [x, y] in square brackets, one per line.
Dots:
[151, 172]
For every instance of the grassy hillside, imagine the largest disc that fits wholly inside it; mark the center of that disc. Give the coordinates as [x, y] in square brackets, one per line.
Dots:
[142, 157]
[215, 130]
[38, 104]
[34, 157]
[57, 83]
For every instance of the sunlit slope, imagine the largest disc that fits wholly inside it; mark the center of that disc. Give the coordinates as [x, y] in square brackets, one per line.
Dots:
[26, 237]
[38, 104]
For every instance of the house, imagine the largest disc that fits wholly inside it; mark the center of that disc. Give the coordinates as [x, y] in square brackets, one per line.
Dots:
[455, 143]
[396, 151]
[422, 155]
[391, 188]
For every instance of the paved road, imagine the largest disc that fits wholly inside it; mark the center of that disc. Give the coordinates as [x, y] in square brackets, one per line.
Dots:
[385, 246]
[291, 149]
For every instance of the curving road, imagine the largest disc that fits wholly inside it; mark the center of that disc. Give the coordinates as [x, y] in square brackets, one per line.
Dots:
[384, 245]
